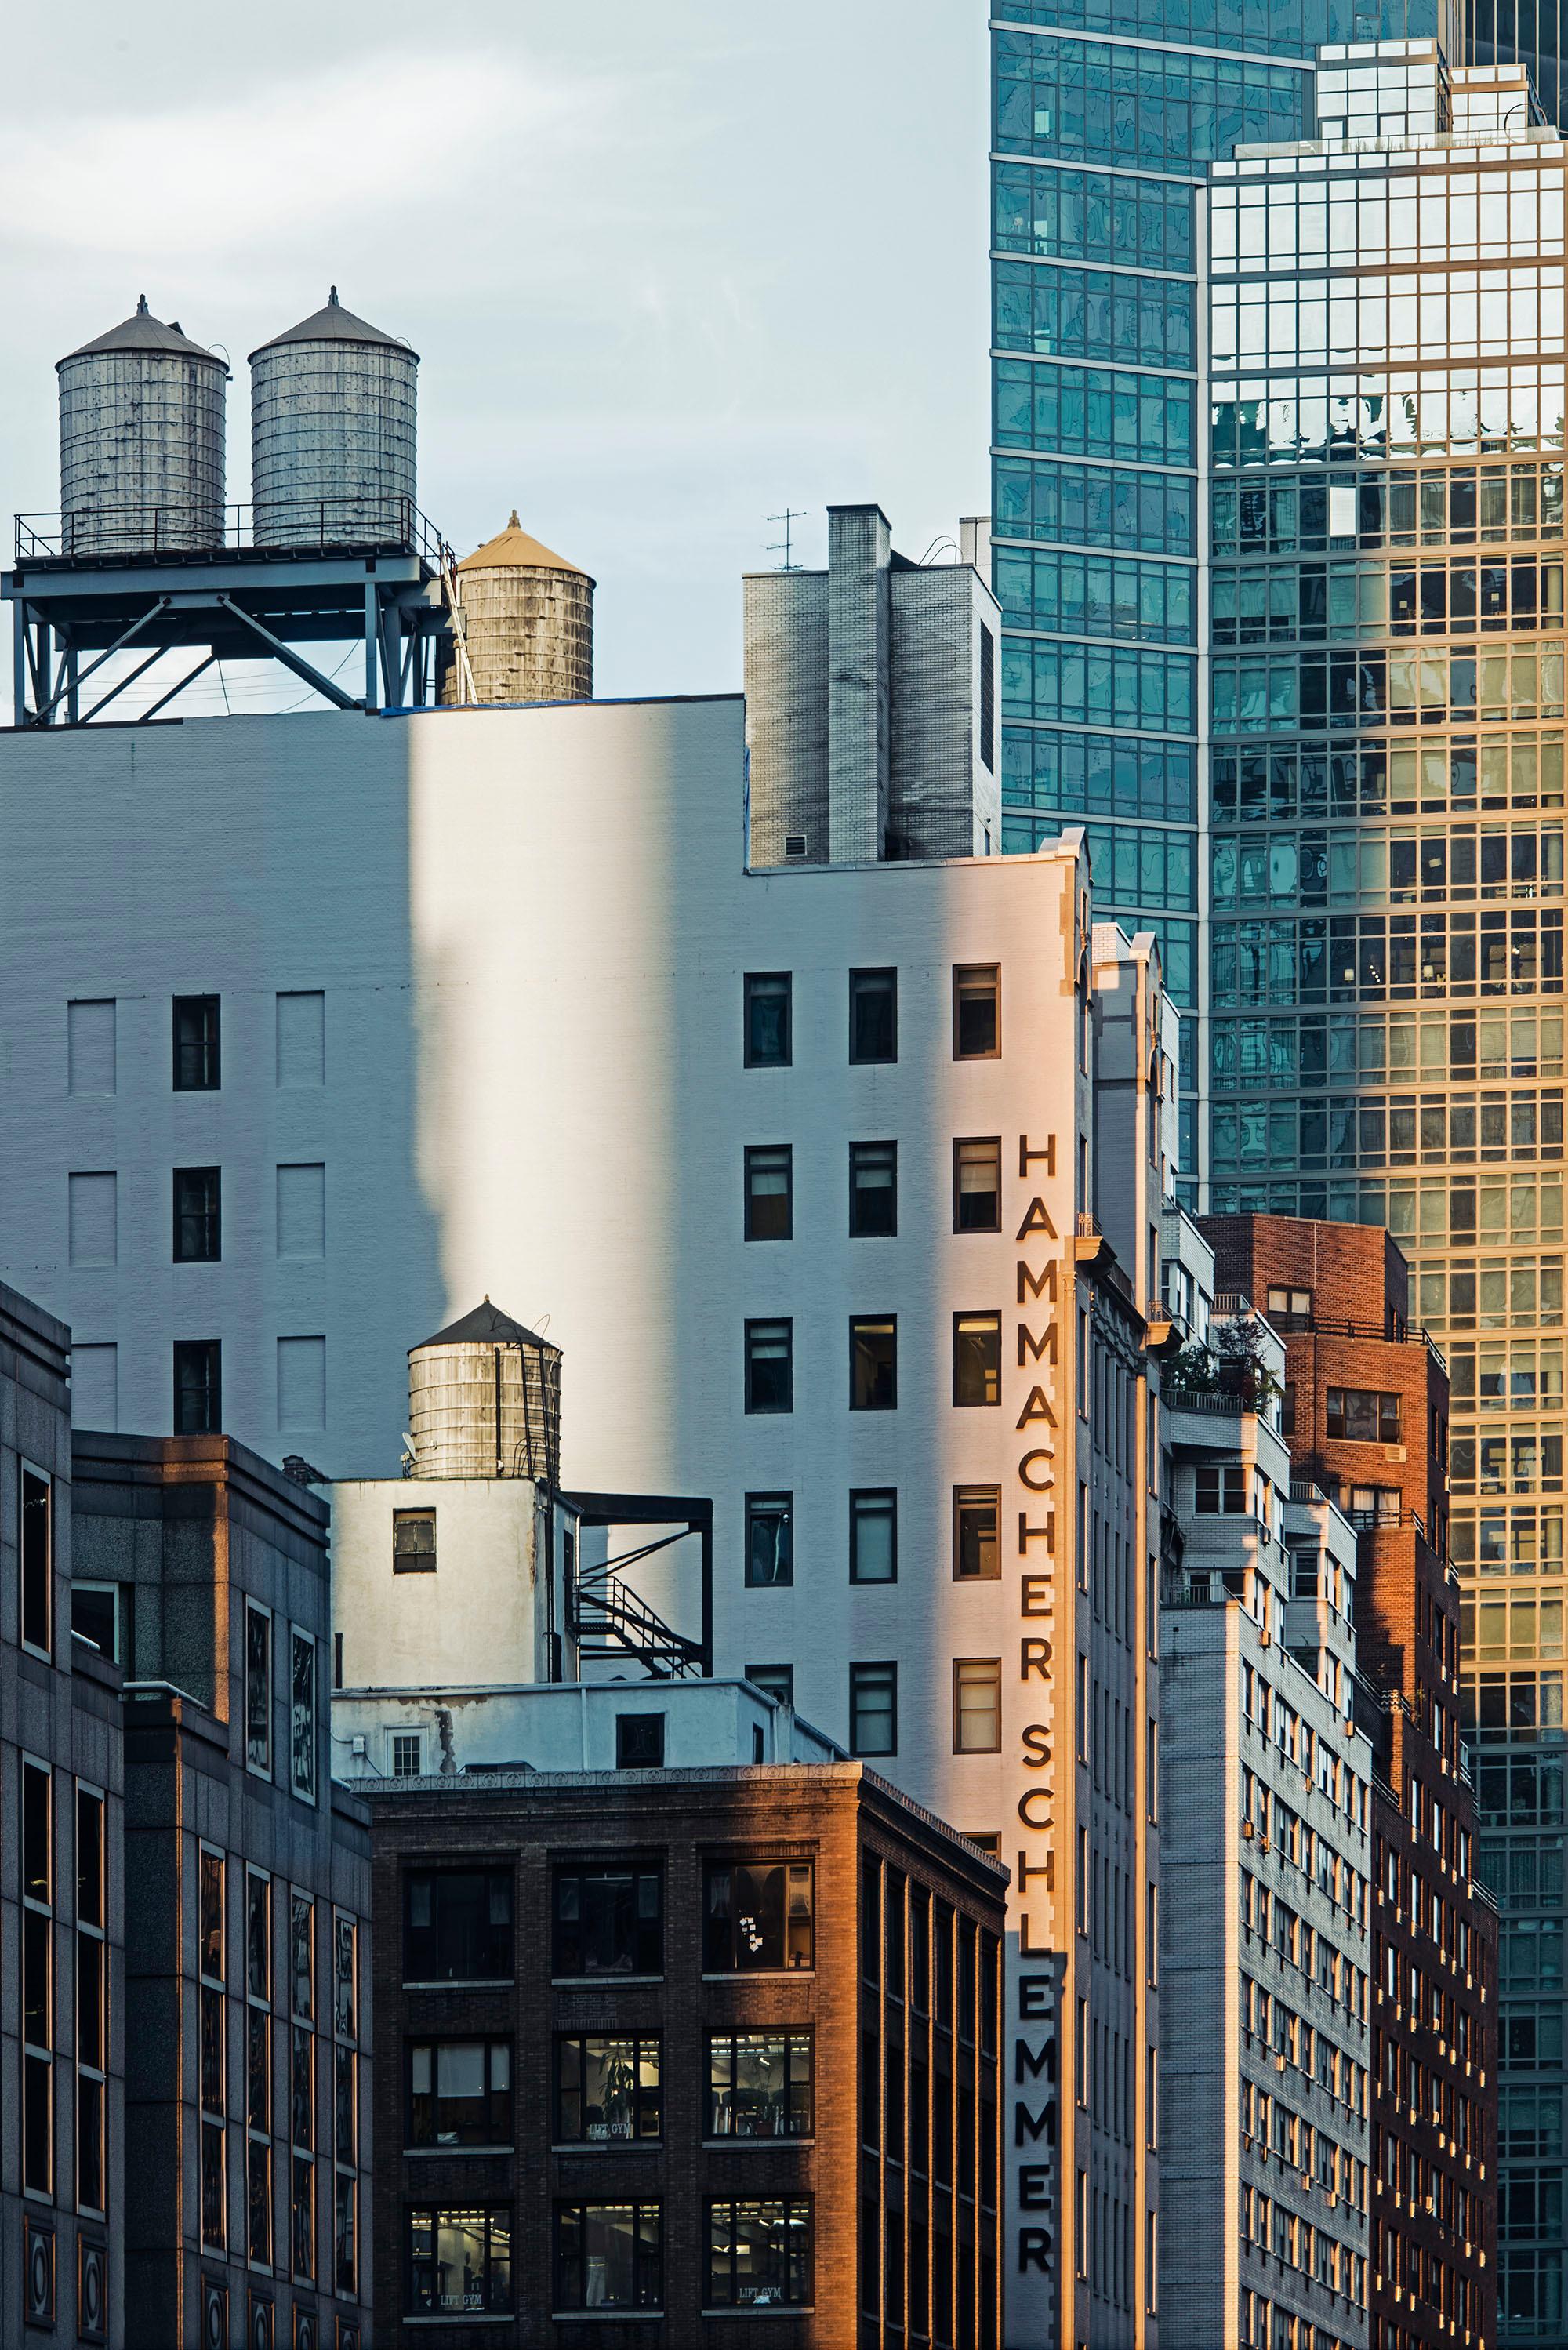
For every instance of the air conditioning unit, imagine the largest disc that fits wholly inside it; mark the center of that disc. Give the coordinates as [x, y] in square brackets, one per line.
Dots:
[1248, 1830]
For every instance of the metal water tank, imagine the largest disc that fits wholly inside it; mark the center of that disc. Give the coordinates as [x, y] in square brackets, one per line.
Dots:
[332, 434]
[484, 1401]
[142, 440]
[528, 624]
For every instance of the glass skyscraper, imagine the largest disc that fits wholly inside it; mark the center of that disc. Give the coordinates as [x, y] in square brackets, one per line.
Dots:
[1527, 32]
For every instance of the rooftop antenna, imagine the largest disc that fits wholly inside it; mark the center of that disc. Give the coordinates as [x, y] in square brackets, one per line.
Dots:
[782, 546]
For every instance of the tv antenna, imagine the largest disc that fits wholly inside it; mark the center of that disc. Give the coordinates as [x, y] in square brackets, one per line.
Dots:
[782, 546]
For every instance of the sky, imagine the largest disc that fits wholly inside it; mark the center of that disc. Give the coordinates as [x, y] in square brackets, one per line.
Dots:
[669, 269]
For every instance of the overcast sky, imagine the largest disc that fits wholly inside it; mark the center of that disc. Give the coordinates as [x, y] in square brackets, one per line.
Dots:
[669, 268]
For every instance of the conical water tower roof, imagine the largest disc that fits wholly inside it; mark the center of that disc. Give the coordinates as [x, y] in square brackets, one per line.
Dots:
[486, 1325]
[511, 549]
[333, 323]
[142, 332]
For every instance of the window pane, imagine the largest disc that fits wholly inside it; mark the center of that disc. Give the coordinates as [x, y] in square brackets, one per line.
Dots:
[768, 1189]
[977, 1359]
[873, 1190]
[977, 1021]
[767, 1017]
[769, 1373]
[873, 1015]
[769, 1552]
[414, 1542]
[977, 1705]
[872, 1537]
[873, 1365]
[977, 1510]
[873, 1709]
[977, 1186]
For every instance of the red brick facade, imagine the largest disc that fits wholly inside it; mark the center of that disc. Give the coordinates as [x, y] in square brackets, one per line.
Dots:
[1366, 1406]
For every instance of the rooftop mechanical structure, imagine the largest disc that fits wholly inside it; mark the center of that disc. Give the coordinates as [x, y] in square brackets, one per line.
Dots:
[145, 557]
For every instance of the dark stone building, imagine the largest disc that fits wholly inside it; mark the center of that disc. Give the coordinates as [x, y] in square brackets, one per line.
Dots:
[63, 2037]
[697, 2056]
[1366, 1413]
[247, 1873]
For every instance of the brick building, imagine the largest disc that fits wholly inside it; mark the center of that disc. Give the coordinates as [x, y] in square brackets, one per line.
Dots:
[1366, 1405]
[641, 2030]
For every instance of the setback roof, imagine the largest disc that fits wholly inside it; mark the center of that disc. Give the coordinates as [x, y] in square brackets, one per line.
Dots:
[485, 1324]
[142, 332]
[333, 323]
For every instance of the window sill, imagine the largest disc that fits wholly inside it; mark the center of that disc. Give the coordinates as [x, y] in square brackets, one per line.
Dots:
[768, 2144]
[765, 2309]
[428, 2153]
[606, 2146]
[467, 1982]
[762, 1974]
[627, 2316]
[588, 1982]
[462, 2317]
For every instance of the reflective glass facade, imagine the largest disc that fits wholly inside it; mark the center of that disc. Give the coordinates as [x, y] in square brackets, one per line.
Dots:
[1386, 865]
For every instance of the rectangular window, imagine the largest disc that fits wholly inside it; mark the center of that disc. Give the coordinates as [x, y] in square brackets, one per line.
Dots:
[757, 1917]
[977, 1705]
[1222, 1491]
[874, 1363]
[302, 1211]
[770, 1553]
[302, 1714]
[759, 2252]
[639, 1741]
[776, 1681]
[987, 700]
[198, 1387]
[198, 1236]
[977, 1010]
[99, 1614]
[770, 1379]
[769, 1193]
[38, 1980]
[609, 2256]
[873, 1015]
[1363, 1416]
[92, 1993]
[608, 1920]
[36, 1535]
[90, 1045]
[196, 1065]
[258, 2069]
[767, 1036]
[977, 1184]
[873, 1536]
[301, 1039]
[414, 1542]
[93, 1219]
[457, 1925]
[977, 1516]
[1290, 1307]
[406, 1754]
[459, 2093]
[874, 1708]
[760, 2085]
[459, 2259]
[977, 1359]
[607, 2089]
[873, 1190]
[301, 1958]
[258, 1690]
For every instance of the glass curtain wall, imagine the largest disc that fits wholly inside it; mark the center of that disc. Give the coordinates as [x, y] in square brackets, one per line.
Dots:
[1385, 1041]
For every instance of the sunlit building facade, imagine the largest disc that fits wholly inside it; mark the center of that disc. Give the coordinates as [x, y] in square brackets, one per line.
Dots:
[1387, 627]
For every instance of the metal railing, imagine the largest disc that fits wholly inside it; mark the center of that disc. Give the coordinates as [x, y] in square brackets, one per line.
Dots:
[363, 525]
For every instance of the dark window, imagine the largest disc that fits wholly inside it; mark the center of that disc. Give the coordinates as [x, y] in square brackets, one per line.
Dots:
[607, 2089]
[977, 1010]
[770, 1382]
[759, 2252]
[774, 1680]
[1362, 1416]
[873, 1015]
[977, 1359]
[258, 1690]
[874, 1708]
[37, 1986]
[639, 1741]
[99, 1614]
[760, 2085]
[977, 1185]
[874, 1363]
[873, 1190]
[757, 1917]
[767, 1020]
[37, 1546]
[770, 1548]
[1288, 1409]
[197, 1238]
[977, 1516]
[873, 1536]
[414, 1542]
[977, 1705]
[609, 2256]
[196, 1068]
[459, 2092]
[609, 1920]
[769, 1203]
[987, 700]
[459, 2259]
[1222, 1491]
[457, 1925]
[198, 1387]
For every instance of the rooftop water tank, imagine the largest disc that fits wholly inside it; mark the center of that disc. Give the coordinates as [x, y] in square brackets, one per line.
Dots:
[141, 442]
[484, 1401]
[332, 434]
[528, 624]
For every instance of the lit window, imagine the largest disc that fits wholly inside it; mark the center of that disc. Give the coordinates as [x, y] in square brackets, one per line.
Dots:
[608, 2090]
[759, 2253]
[760, 2085]
[977, 1359]
[873, 1364]
[977, 1705]
[459, 2261]
[459, 2092]
[977, 1185]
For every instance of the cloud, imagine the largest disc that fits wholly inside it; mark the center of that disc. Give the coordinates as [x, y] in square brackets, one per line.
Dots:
[375, 141]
